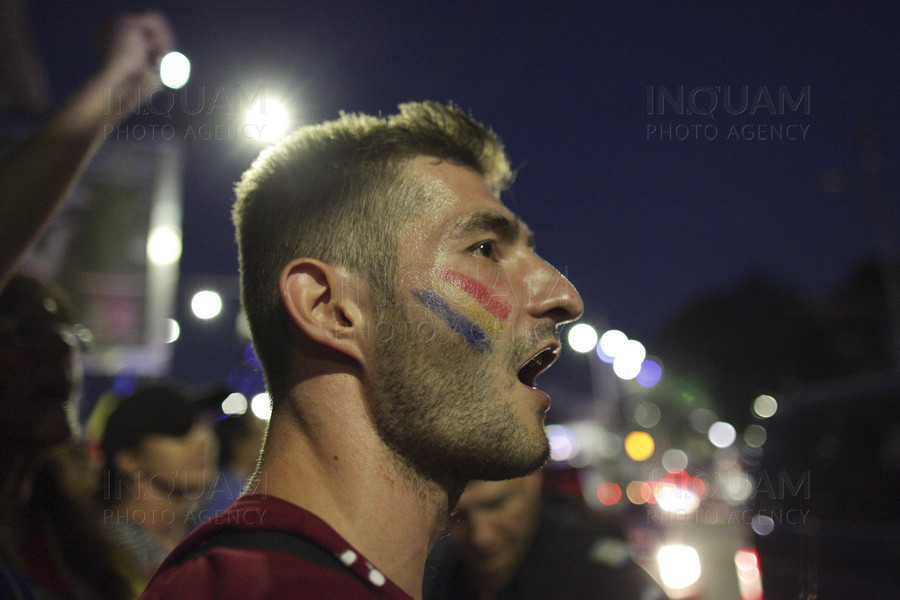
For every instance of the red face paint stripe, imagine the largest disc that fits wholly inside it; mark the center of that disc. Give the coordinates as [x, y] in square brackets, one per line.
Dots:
[480, 292]
[466, 305]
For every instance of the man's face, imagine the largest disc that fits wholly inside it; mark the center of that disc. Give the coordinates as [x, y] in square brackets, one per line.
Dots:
[183, 465]
[475, 322]
[494, 525]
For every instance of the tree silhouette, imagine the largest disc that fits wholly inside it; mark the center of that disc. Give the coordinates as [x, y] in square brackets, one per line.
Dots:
[757, 337]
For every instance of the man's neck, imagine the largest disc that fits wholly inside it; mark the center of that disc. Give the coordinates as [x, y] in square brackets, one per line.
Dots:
[335, 465]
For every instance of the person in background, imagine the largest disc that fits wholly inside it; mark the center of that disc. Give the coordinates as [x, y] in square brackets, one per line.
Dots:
[160, 457]
[67, 552]
[51, 539]
[37, 176]
[240, 440]
[507, 542]
[51, 542]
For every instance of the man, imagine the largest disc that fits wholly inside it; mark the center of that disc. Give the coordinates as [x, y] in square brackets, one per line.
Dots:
[507, 542]
[160, 454]
[401, 316]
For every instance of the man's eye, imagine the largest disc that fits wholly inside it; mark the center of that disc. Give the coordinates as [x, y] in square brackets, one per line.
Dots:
[485, 249]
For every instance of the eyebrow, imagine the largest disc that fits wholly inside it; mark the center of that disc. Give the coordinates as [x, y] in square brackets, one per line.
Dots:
[507, 230]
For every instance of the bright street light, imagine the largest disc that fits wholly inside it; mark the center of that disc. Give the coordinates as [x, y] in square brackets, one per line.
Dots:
[582, 338]
[206, 304]
[261, 406]
[267, 119]
[174, 70]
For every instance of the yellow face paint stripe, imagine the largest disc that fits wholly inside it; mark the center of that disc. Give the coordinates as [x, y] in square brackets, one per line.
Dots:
[469, 307]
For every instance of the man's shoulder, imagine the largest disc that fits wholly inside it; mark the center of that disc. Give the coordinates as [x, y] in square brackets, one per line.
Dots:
[227, 573]
[264, 547]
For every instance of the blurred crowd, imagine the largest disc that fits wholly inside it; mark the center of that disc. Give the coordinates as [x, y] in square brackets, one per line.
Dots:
[90, 514]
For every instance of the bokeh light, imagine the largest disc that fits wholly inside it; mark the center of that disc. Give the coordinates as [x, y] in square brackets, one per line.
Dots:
[610, 345]
[636, 492]
[762, 524]
[173, 331]
[745, 560]
[676, 499]
[164, 245]
[721, 434]
[650, 373]
[582, 338]
[261, 406]
[609, 493]
[735, 485]
[755, 435]
[765, 406]
[749, 579]
[625, 369]
[235, 404]
[268, 118]
[174, 70]
[674, 460]
[628, 361]
[603, 356]
[698, 485]
[206, 304]
[679, 566]
[639, 445]
[561, 443]
[647, 414]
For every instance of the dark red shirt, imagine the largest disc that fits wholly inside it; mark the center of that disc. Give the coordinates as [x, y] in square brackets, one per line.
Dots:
[253, 573]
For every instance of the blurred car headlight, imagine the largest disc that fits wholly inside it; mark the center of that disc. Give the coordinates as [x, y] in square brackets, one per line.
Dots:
[679, 566]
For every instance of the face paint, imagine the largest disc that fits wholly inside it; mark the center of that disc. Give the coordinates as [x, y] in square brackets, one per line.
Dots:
[467, 306]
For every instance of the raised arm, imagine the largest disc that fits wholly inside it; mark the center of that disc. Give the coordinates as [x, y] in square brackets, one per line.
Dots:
[38, 175]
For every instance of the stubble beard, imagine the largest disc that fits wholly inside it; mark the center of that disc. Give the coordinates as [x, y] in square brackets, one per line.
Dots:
[445, 409]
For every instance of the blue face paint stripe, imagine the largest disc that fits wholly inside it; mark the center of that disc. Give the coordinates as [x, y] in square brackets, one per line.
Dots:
[470, 331]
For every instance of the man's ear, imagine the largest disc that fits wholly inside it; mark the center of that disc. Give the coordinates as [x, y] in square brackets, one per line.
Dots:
[326, 303]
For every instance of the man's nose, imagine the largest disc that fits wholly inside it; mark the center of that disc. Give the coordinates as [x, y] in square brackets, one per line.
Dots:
[551, 295]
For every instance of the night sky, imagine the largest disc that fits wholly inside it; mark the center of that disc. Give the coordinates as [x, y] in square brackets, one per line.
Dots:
[640, 220]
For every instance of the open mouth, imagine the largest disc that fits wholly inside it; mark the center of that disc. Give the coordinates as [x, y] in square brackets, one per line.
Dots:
[537, 365]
